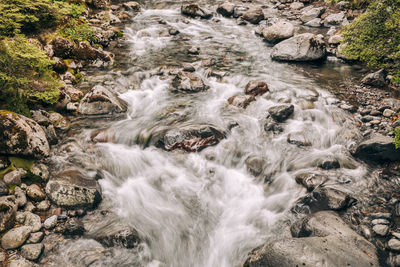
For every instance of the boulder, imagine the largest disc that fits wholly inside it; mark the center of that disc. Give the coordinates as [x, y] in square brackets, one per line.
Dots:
[14, 177]
[58, 121]
[40, 170]
[256, 88]
[315, 23]
[22, 136]
[72, 188]
[310, 14]
[310, 180]
[62, 47]
[241, 101]
[191, 138]
[101, 101]
[329, 163]
[22, 263]
[35, 238]
[334, 19]
[189, 82]
[378, 148]
[33, 221]
[278, 31]
[281, 113]
[85, 51]
[328, 198]
[302, 47]
[226, 9]
[335, 39]
[376, 79]
[15, 237]
[194, 10]
[254, 15]
[8, 211]
[32, 251]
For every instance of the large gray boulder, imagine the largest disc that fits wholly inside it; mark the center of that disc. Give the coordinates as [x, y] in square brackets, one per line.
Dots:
[100, 101]
[22, 136]
[278, 31]
[73, 188]
[302, 47]
[326, 242]
[378, 148]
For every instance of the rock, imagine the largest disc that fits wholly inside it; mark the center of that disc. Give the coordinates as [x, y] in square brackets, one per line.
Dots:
[226, 9]
[380, 221]
[381, 229]
[255, 165]
[310, 14]
[329, 163]
[15, 237]
[189, 82]
[131, 6]
[22, 136]
[331, 198]
[40, 170]
[62, 47]
[241, 101]
[51, 135]
[43, 205]
[325, 239]
[388, 113]
[256, 88]
[35, 193]
[50, 222]
[85, 51]
[272, 126]
[335, 39]
[60, 66]
[188, 67]
[281, 113]
[125, 238]
[376, 79]
[4, 162]
[392, 103]
[101, 101]
[254, 15]
[73, 226]
[334, 19]
[73, 188]
[14, 177]
[278, 31]
[3, 189]
[311, 180]
[302, 47]
[8, 211]
[32, 251]
[191, 138]
[299, 139]
[21, 263]
[315, 23]
[378, 148]
[99, 4]
[35, 238]
[194, 10]
[58, 121]
[394, 244]
[20, 197]
[33, 221]
[29, 207]
[296, 5]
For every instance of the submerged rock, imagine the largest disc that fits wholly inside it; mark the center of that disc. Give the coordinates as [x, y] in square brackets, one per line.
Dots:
[101, 101]
[194, 10]
[189, 82]
[302, 47]
[310, 180]
[256, 88]
[72, 189]
[278, 31]
[191, 138]
[378, 149]
[22, 136]
[282, 112]
[241, 101]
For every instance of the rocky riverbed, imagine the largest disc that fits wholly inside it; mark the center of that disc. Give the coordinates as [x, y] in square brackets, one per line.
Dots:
[210, 134]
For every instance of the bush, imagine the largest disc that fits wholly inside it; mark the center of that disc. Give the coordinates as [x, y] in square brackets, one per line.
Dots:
[26, 75]
[374, 37]
[77, 31]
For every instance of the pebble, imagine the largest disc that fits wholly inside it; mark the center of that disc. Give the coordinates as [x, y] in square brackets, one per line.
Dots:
[381, 229]
[394, 244]
[50, 222]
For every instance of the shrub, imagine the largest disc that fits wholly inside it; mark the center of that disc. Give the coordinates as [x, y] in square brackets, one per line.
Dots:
[374, 37]
[26, 75]
[77, 31]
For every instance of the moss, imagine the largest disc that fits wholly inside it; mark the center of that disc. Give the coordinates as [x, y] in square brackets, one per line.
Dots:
[77, 31]
[21, 163]
[374, 37]
[396, 139]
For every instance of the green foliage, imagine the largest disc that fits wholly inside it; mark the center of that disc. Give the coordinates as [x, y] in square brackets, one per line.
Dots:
[29, 16]
[77, 31]
[26, 75]
[23, 163]
[374, 37]
[396, 140]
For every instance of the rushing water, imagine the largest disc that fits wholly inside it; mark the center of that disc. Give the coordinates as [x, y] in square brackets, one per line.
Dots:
[206, 209]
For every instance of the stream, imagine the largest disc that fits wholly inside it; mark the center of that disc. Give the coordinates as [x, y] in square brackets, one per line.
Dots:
[206, 209]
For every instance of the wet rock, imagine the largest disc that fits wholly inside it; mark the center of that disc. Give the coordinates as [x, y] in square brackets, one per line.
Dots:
[281, 113]
[226, 9]
[51, 134]
[334, 19]
[394, 244]
[124, 238]
[254, 15]
[194, 10]
[58, 121]
[62, 47]
[302, 47]
[22, 136]
[272, 126]
[278, 31]
[299, 139]
[376, 79]
[101, 101]
[256, 88]
[310, 14]
[311, 180]
[33, 221]
[73, 188]
[330, 198]
[8, 211]
[381, 229]
[131, 6]
[191, 138]
[329, 163]
[50, 222]
[35, 238]
[3, 189]
[378, 149]
[189, 82]
[73, 226]
[15, 237]
[35, 193]
[241, 101]
[255, 165]
[173, 31]
[14, 177]
[32, 251]
[315, 23]
[40, 170]
[20, 197]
